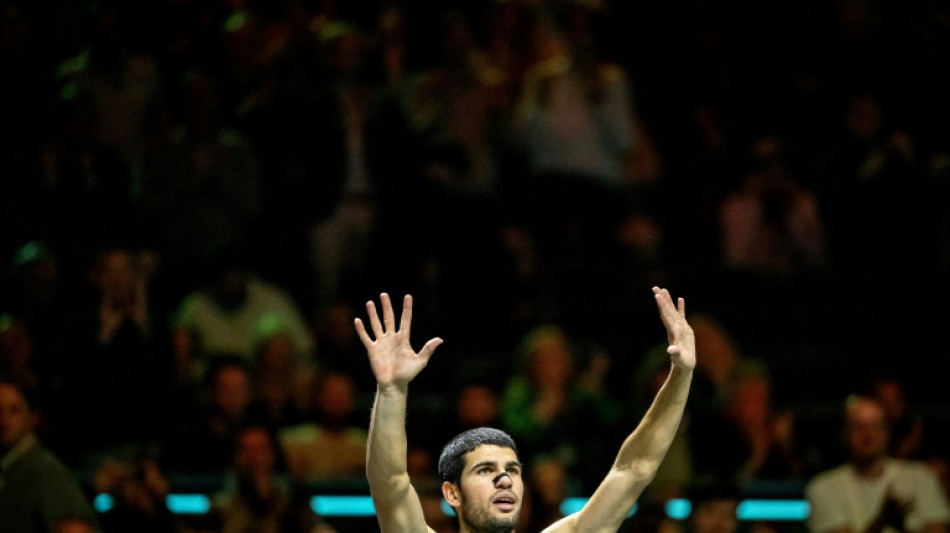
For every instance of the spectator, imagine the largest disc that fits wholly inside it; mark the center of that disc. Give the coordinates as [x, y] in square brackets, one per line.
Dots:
[330, 445]
[203, 441]
[225, 314]
[38, 490]
[279, 379]
[873, 491]
[139, 490]
[771, 225]
[714, 504]
[115, 369]
[754, 440]
[545, 490]
[547, 397]
[574, 121]
[257, 497]
[907, 427]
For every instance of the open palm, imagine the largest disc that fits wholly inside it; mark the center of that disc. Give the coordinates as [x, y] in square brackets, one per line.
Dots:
[391, 356]
[679, 333]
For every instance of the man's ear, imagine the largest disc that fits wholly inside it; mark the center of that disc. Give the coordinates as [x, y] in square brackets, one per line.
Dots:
[452, 494]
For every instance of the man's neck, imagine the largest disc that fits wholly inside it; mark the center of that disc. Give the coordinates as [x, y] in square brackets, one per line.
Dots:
[870, 468]
[466, 528]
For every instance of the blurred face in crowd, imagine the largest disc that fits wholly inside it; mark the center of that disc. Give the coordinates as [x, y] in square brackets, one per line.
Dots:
[551, 363]
[255, 451]
[114, 275]
[16, 417]
[232, 392]
[866, 431]
[477, 406]
[715, 516]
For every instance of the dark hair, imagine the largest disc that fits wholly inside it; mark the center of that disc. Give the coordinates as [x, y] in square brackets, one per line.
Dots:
[452, 458]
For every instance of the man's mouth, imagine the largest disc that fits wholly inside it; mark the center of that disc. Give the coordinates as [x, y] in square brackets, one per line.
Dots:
[505, 502]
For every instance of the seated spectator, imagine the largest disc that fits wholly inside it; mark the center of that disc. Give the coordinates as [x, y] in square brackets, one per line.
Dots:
[278, 378]
[545, 490]
[756, 441]
[330, 444]
[477, 403]
[203, 442]
[37, 490]
[714, 504]
[257, 497]
[139, 489]
[906, 426]
[872, 491]
[547, 399]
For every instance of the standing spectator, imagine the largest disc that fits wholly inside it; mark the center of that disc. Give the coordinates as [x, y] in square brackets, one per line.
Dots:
[574, 122]
[225, 314]
[37, 490]
[115, 369]
[771, 224]
[873, 492]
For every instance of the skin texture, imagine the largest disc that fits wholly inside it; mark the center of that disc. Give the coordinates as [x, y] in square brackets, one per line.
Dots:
[484, 505]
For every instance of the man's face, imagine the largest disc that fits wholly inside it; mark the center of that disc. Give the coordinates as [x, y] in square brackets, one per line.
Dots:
[484, 501]
[16, 418]
[866, 431]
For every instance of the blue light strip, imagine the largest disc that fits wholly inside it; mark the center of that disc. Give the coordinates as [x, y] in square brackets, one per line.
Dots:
[678, 508]
[325, 505]
[336, 505]
[188, 503]
[572, 505]
[773, 510]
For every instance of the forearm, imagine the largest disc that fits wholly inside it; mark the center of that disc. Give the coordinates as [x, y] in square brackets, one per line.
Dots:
[646, 447]
[637, 461]
[386, 447]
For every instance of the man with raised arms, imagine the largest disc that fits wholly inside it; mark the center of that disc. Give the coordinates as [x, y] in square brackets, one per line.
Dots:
[481, 474]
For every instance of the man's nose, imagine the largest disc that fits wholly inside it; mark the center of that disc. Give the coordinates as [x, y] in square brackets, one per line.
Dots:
[498, 479]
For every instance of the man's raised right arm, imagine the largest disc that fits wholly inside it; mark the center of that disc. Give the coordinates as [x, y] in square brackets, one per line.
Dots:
[394, 364]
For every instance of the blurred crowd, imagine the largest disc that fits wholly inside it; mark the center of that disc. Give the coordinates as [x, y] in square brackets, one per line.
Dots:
[197, 197]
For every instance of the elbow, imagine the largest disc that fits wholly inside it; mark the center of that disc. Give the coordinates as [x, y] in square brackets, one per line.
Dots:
[392, 487]
[638, 473]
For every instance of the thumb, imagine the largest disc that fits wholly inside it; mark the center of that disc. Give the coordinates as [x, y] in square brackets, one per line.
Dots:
[430, 347]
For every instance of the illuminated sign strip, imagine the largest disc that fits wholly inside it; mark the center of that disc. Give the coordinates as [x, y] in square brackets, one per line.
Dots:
[355, 506]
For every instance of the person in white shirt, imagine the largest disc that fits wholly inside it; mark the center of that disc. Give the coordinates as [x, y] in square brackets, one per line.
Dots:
[873, 492]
